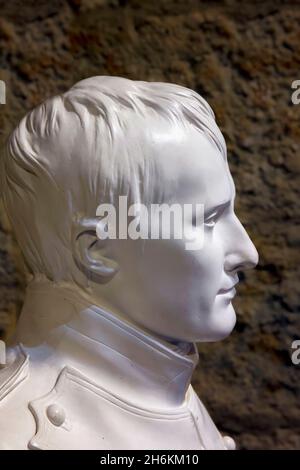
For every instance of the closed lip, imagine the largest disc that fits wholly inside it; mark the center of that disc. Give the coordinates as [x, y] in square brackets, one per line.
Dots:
[225, 291]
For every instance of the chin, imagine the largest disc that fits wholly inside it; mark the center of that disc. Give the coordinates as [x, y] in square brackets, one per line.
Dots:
[220, 324]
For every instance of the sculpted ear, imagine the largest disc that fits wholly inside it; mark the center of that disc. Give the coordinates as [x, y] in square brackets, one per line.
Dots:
[91, 254]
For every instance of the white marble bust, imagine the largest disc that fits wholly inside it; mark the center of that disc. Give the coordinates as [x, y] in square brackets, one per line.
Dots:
[105, 346]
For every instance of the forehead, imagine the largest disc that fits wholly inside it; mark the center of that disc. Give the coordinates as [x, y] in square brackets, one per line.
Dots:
[189, 167]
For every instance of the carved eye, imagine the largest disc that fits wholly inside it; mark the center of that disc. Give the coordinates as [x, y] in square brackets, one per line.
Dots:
[211, 220]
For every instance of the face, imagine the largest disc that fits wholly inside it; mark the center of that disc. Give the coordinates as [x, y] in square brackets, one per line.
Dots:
[171, 291]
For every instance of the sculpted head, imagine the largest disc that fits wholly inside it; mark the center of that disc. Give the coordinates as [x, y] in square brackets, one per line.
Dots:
[154, 143]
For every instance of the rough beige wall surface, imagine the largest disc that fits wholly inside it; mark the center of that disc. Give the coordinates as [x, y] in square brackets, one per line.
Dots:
[242, 57]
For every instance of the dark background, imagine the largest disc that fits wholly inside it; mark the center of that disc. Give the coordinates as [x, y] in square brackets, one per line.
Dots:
[242, 57]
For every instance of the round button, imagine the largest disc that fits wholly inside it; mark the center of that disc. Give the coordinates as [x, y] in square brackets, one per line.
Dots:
[56, 414]
[229, 443]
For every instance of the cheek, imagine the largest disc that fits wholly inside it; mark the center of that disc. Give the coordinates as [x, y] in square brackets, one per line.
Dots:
[180, 277]
[205, 276]
[206, 265]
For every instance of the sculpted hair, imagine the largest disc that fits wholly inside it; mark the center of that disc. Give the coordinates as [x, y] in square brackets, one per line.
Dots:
[72, 153]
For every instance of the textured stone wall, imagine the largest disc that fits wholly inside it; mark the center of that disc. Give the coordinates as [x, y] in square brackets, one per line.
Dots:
[242, 57]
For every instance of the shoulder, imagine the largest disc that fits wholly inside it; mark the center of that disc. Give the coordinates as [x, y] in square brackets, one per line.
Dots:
[16, 423]
[14, 372]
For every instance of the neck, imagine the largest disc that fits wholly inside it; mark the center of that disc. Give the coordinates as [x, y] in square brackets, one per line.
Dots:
[139, 367]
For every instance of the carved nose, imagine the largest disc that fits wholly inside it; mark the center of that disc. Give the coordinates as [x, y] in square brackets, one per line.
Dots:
[243, 254]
